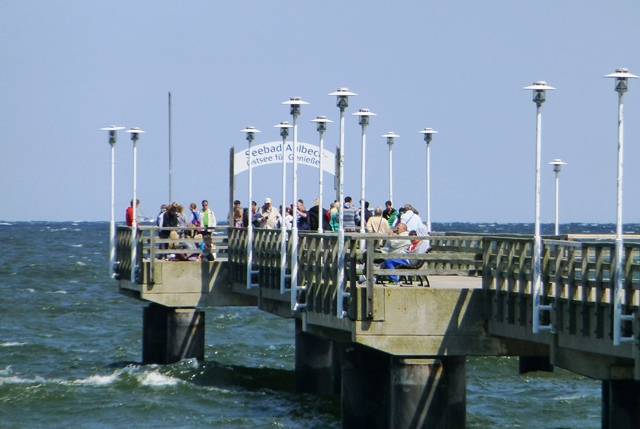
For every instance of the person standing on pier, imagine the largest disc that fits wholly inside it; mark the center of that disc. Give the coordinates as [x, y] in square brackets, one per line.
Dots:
[250, 217]
[236, 204]
[410, 218]
[269, 215]
[350, 216]
[207, 217]
[129, 213]
[302, 216]
[390, 214]
[317, 215]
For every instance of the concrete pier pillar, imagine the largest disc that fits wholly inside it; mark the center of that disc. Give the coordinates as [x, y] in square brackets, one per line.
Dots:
[620, 404]
[318, 364]
[383, 392]
[172, 334]
[535, 363]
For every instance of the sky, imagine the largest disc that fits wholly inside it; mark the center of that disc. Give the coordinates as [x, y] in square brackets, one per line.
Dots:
[459, 67]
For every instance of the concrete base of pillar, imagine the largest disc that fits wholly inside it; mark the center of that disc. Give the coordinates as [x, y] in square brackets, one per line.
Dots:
[380, 391]
[172, 334]
[535, 363]
[318, 364]
[620, 404]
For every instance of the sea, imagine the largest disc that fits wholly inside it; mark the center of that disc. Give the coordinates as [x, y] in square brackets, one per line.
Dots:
[70, 353]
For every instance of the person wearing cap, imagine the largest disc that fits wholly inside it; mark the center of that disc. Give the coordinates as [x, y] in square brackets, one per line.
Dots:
[269, 215]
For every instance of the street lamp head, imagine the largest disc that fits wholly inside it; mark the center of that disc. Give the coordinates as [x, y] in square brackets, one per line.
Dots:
[364, 116]
[112, 133]
[135, 132]
[342, 95]
[321, 121]
[539, 89]
[250, 133]
[621, 76]
[557, 165]
[295, 103]
[284, 128]
[390, 137]
[428, 134]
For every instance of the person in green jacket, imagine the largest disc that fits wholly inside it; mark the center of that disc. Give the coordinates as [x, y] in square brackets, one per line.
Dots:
[390, 214]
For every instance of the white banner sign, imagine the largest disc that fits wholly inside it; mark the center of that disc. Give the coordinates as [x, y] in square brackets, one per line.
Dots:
[271, 153]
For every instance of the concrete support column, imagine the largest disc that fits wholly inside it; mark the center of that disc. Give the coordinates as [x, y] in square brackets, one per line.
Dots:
[318, 364]
[620, 404]
[383, 392]
[535, 363]
[429, 393]
[171, 334]
[365, 388]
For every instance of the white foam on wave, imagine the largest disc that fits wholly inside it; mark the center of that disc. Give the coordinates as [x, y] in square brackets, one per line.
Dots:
[19, 380]
[12, 344]
[80, 263]
[154, 378]
[96, 380]
[6, 224]
[61, 291]
[76, 245]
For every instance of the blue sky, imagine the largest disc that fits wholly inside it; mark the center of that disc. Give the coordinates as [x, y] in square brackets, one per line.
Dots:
[72, 67]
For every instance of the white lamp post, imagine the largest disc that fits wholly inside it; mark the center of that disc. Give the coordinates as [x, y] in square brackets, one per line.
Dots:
[342, 95]
[390, 140]
[112, 225]
[294, 103]
[364, 115]
[621, 76]
[557, 166]
[539, 94]
[284, 132]
[321, 122]
[428, 136]
[250, 137]
[135, 135]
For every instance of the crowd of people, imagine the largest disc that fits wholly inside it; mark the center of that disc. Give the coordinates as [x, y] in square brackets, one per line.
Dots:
[379, 220]
[200, 224]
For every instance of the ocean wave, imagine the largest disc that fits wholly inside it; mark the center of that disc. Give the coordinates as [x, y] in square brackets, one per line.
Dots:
[12, 344]
[96, 380]
[155, 378]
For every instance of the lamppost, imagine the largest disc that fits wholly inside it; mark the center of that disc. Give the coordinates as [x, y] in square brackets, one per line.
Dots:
[321, 122]
[284, 132]
[557, 166]
[135, 135]
[428, 136]
[621, 76]
[390, 140]
[112, 225]
[539, 94]
[250, 137]
[342, 95]
[364, 115]
[294, 103]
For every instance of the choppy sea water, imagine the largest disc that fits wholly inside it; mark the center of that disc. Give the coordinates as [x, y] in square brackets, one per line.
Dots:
[70, 347]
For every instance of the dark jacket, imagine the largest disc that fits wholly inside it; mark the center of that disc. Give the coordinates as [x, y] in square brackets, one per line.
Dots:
[313, 219]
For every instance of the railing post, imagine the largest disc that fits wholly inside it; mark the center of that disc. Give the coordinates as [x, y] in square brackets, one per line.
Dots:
[369, 276]
[341, 294]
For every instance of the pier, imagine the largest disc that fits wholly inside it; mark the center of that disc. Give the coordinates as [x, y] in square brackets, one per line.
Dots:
[396, 353]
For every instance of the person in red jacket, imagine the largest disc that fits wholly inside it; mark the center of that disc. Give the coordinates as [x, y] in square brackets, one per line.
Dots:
[129, 214]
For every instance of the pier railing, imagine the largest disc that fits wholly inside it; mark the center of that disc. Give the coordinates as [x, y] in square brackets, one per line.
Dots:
[153, 249]
[577, 282]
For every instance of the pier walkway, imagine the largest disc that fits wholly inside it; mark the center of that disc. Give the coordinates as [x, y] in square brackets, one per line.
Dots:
[396, 353]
